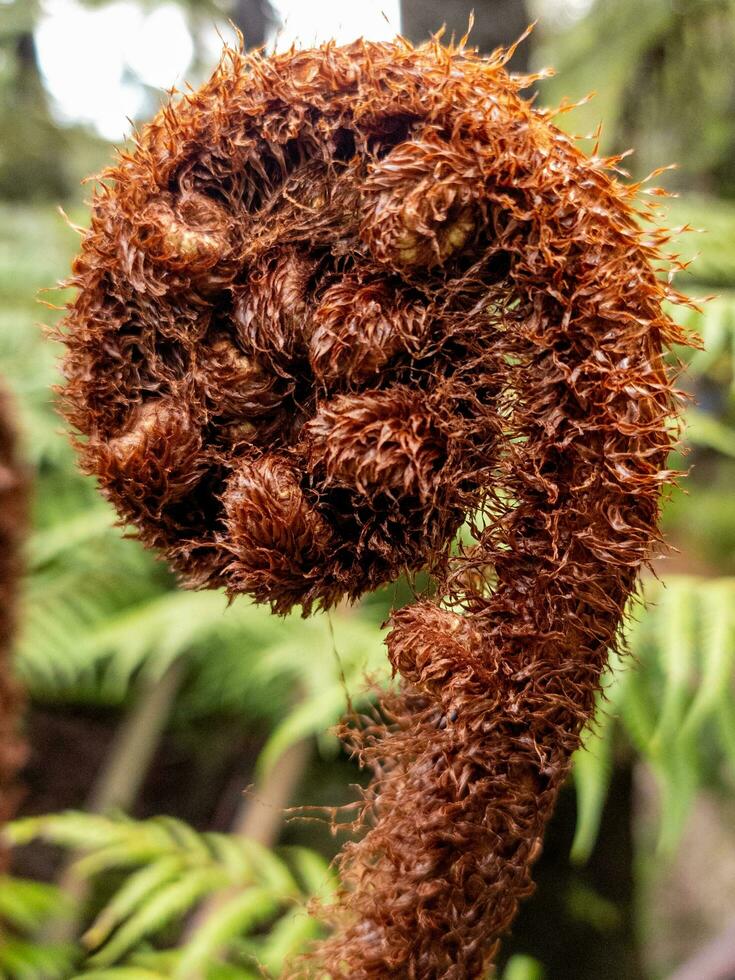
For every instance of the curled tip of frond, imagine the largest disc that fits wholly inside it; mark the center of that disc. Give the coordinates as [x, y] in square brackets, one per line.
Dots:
[334, 304]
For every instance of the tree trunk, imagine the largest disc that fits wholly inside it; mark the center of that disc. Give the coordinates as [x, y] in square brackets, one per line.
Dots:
[256, 19]
[497, 22]
[13, 503]
[33, 161]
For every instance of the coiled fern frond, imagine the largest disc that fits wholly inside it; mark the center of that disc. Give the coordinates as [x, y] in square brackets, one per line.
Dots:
[336, 303]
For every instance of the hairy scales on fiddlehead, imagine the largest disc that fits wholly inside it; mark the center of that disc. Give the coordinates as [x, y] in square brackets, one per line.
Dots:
[333, 305]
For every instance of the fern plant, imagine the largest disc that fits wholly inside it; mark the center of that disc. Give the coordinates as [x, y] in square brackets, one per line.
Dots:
[168, 869]
[25, 907]
[676, 707]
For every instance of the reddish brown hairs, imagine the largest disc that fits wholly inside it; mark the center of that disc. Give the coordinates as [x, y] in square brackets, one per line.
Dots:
[334, 307]
[13, 494]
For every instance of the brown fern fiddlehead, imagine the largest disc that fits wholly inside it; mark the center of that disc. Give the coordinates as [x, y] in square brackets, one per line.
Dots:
[13, 493]
[334, 304]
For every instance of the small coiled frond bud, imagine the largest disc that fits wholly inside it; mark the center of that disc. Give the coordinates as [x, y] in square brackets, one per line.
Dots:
[234, 385]
[155, 460]
[270, 311]
[419, 206]
[191, 234]
[419, 632]
[378, 442]
[276, 537]
[357, 329]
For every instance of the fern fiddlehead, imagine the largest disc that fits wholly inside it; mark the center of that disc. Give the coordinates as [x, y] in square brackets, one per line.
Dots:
[334, 304]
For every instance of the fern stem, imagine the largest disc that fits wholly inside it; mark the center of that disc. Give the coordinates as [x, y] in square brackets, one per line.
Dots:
[119, 782]
[715, 961]
[259, 817]
[135, 743]
[261, 814]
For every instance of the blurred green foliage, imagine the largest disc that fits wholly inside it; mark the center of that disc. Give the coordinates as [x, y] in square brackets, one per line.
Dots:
[168, 870]
[102, 620]
[658, 73]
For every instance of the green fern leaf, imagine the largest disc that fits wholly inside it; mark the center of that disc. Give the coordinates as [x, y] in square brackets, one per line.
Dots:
[236, 914]
[307, 718]
[523, 968]
[286, 939]
[167, 905]
[136, 891]
[121, 973]
[717, 656]
[677, 774]
[21, 959]
[677, 623]
[318, 877]
[27, 905]
[592, 771]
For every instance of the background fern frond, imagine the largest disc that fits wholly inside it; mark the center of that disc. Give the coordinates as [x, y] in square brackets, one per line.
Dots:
[168, 869]
[670, 706]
